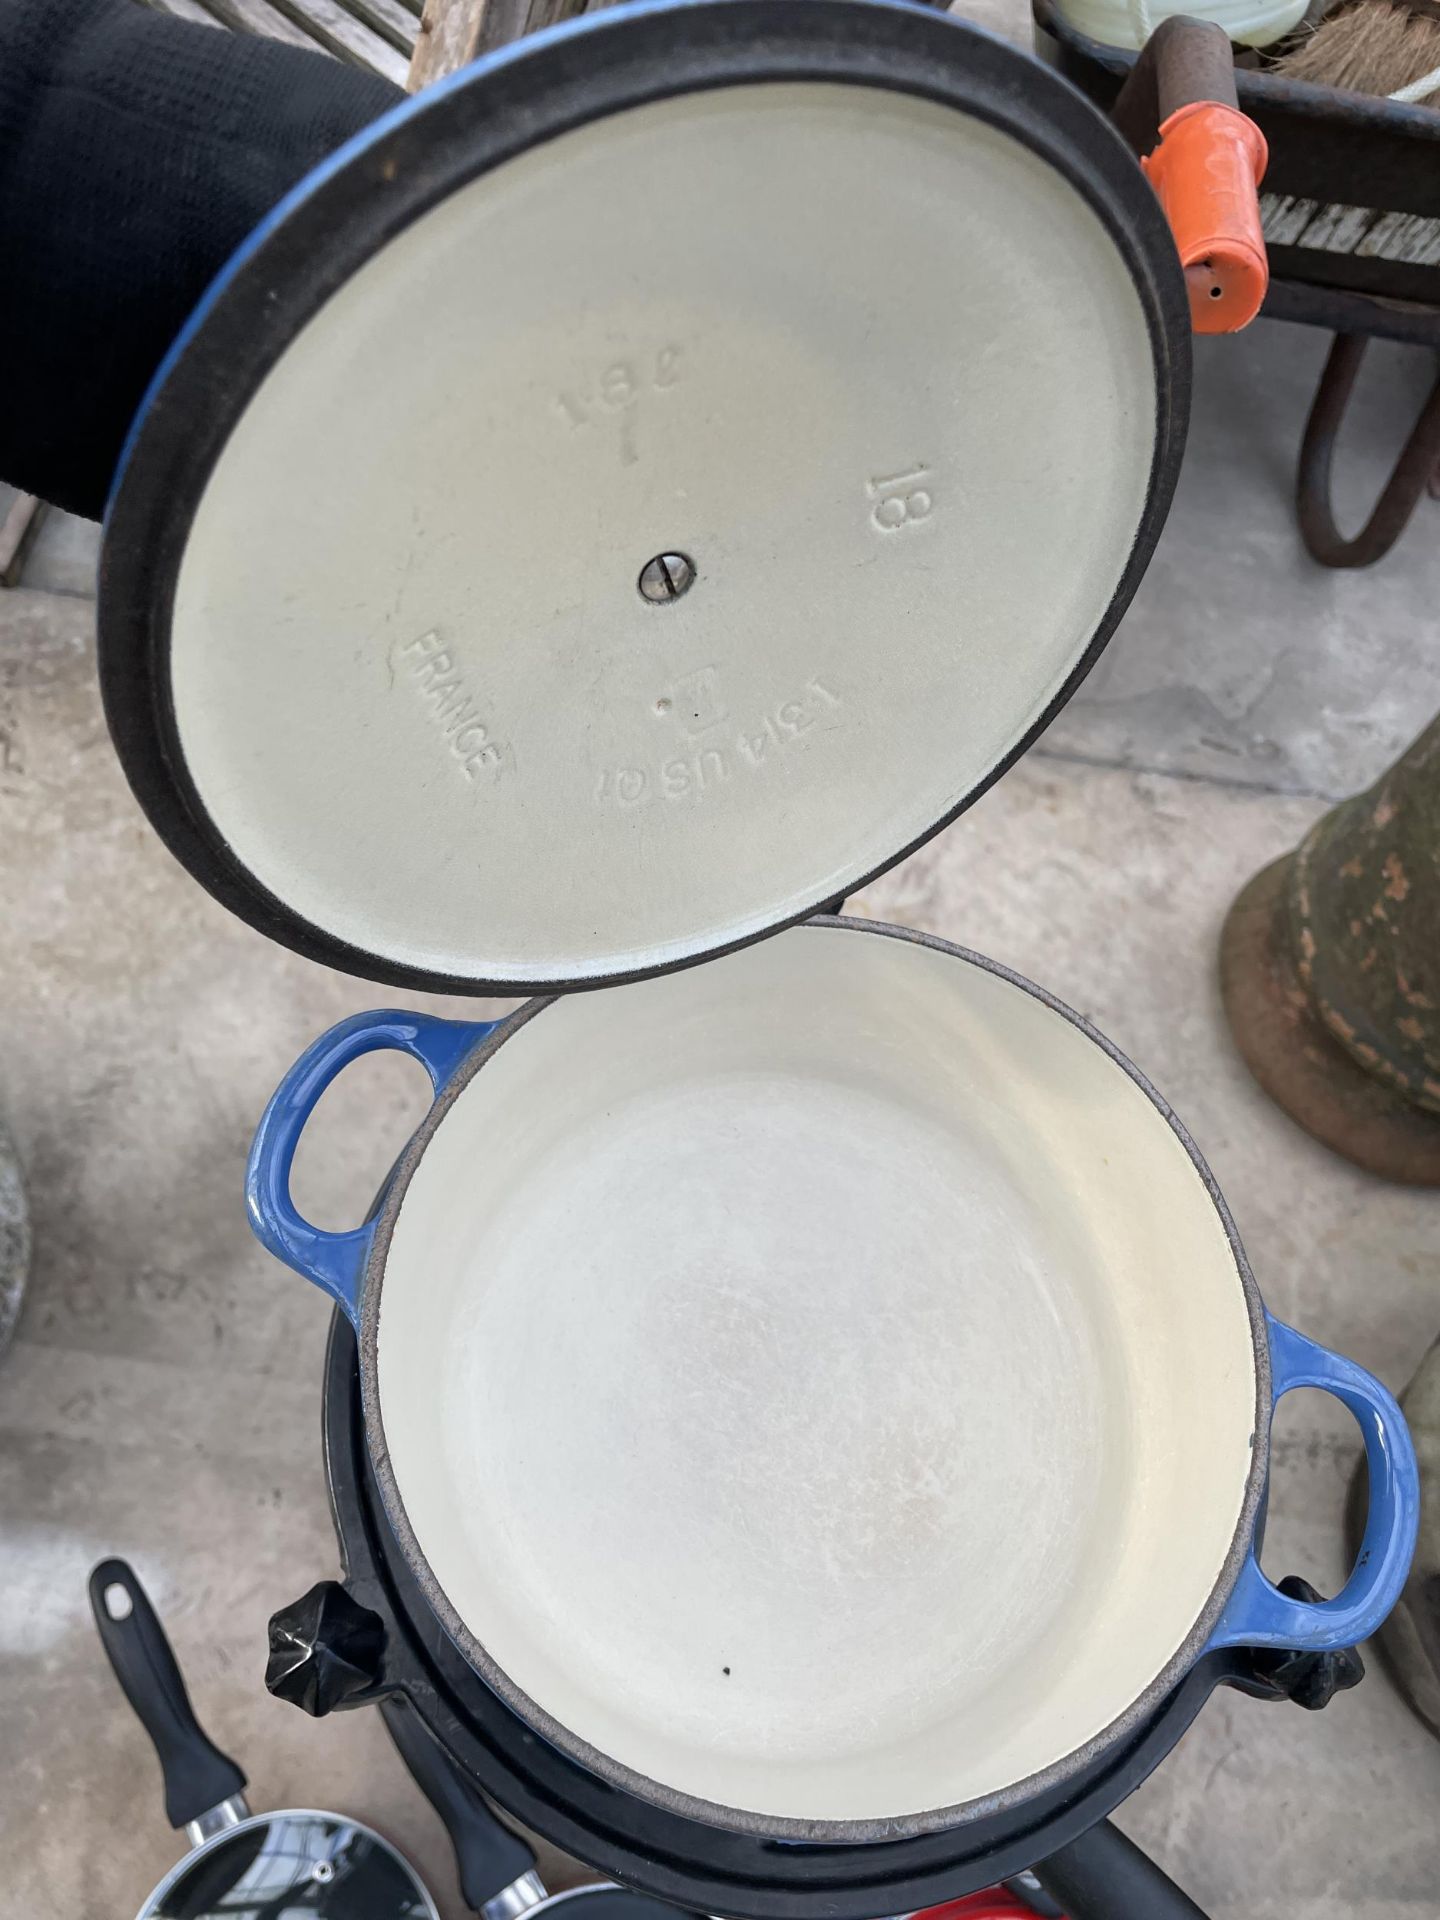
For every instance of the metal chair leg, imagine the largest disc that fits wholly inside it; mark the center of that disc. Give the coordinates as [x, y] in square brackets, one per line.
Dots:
[18, 527]
[1418, 463]
[1102, 1875]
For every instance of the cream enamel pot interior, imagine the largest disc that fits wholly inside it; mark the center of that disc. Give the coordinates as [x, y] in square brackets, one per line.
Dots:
[906, 1395]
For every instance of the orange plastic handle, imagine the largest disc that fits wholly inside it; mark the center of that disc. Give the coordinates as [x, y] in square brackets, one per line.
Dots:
[1205, 170]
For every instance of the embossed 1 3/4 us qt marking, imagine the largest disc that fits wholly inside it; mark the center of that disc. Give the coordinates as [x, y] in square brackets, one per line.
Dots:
[704, 770]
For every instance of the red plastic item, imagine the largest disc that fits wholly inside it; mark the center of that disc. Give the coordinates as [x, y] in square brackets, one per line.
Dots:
[1205, 170]
[993, 1904]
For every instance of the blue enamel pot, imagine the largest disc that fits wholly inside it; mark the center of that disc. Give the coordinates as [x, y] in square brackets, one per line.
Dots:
[822, 1392]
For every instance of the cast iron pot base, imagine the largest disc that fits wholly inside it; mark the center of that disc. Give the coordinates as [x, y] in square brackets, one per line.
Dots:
[345, 1645]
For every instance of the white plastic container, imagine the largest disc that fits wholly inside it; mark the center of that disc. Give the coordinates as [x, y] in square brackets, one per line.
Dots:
[1130, 23]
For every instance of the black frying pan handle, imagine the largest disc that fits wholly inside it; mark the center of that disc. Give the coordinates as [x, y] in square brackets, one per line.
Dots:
[197, 1775]
[1103, 1876]
[488, 1856]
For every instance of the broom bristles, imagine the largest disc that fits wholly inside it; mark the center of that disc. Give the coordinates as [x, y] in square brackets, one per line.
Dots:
[1367, 47]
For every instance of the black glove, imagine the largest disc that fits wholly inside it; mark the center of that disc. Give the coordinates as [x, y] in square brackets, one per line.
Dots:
[136, 153]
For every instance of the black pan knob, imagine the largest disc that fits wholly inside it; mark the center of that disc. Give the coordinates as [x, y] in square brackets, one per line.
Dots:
[326, 1651]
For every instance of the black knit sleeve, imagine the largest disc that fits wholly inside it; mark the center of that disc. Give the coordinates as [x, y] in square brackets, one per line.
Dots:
[136, 152]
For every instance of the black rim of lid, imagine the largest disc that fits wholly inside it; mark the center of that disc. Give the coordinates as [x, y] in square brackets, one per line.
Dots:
[351, 205]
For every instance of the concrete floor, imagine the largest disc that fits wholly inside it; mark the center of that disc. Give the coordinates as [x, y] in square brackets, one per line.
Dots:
[161, 1400]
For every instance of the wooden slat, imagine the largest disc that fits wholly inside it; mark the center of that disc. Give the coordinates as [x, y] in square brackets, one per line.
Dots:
[341, 34]
[184, 10]
[258, 16]
[454, 31]
[379, 34]
[507, 20]
[395, 24]
[449, 36]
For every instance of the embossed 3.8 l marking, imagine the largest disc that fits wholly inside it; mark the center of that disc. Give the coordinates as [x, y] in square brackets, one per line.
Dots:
[620, 385]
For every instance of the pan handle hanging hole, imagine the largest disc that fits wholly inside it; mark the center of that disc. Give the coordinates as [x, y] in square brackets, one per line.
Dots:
[118, 1603]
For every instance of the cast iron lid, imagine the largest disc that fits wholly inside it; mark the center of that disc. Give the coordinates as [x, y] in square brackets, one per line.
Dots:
[641, 489]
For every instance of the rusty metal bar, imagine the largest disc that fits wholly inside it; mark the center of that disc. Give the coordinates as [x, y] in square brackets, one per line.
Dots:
[1402, 491]
[1183, 61]
[1339, 310]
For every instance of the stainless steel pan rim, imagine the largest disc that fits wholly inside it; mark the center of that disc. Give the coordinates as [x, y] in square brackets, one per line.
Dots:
[223, 1836]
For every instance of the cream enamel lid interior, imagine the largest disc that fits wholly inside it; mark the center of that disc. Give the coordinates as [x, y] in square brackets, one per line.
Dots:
[876, 368]
[820, 1381]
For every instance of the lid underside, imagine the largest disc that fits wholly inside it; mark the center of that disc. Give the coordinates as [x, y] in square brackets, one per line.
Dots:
[872, 367]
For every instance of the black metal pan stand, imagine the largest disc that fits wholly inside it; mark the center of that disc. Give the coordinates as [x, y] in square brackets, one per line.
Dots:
[1351, 211]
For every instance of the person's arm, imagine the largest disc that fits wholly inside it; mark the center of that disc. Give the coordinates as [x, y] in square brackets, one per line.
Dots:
[136, 153]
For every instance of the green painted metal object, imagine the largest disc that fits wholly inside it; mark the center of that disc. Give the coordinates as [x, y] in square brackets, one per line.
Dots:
[1330, 971]
[14, 1239]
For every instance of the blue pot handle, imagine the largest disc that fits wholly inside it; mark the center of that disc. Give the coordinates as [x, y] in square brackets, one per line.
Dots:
[336, 1261]
[1258, 1614]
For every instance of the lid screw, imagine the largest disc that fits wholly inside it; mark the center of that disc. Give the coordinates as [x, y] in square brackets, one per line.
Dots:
[666, 577]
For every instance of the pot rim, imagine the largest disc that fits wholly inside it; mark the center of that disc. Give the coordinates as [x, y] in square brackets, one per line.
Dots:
[734, 1819]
